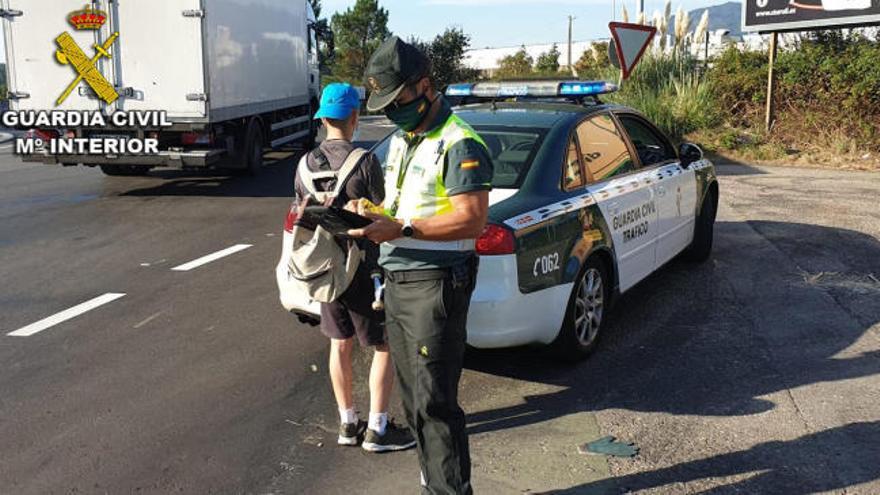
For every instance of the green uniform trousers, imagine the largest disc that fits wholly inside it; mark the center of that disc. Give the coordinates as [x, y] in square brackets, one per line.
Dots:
[426, 317]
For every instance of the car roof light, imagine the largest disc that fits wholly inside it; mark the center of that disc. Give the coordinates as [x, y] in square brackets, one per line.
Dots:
[460, 90]
[509, 89]
[586, 88]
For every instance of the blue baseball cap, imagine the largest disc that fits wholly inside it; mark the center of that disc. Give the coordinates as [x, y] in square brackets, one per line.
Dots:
[338, 101]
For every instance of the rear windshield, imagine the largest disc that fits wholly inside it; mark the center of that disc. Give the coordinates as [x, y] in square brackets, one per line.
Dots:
[512, 150]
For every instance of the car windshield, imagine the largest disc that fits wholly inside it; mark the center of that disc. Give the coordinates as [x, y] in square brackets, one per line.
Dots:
[512, 150]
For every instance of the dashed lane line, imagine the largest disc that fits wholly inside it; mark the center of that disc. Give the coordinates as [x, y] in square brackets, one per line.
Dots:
[65, 315]
[148, 319]
[204, 260]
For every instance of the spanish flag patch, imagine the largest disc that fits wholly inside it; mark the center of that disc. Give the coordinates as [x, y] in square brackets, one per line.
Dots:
[470, 164]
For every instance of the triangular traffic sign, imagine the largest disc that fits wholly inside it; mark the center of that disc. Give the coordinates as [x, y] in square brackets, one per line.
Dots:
[630, 41]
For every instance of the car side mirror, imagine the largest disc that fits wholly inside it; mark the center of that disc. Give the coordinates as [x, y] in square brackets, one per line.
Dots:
[689, 153]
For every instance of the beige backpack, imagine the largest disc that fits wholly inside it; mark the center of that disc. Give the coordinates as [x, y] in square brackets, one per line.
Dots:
[318, 265]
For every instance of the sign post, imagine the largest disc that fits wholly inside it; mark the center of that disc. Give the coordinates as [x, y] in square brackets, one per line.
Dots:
[771, 83]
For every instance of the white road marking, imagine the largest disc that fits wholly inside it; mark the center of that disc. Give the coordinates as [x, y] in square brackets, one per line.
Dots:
[65, 315]
[149, 319]
[204, 260]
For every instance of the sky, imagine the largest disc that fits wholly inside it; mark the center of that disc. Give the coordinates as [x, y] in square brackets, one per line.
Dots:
[499, 23]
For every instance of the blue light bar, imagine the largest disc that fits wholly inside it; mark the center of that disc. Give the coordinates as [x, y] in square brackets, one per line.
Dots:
[507, 89]
[460, 89]
[586, 88]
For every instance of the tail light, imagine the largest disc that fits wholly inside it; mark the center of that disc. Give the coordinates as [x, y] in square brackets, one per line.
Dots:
[291, 219]
[44, 134]
[190, 138]
[496, 240]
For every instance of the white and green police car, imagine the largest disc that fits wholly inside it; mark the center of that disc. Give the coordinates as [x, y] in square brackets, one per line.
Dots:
[588, 199]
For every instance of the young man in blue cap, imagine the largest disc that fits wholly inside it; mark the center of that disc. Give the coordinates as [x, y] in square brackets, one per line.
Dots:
[352, 314]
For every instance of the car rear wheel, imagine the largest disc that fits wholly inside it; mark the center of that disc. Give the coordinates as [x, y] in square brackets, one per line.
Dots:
[585, 315]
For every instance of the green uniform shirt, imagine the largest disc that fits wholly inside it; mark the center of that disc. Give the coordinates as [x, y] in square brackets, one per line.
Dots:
[467, 168]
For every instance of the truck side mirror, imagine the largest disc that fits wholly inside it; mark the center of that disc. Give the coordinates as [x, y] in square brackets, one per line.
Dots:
[689, 153]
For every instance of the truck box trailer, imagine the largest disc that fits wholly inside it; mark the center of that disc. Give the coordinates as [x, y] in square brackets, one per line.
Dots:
[231, 76]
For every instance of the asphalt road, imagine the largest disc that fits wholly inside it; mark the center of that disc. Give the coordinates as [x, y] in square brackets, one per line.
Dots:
[756, 372]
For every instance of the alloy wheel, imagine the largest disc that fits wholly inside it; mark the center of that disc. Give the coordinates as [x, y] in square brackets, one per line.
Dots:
[589, 307]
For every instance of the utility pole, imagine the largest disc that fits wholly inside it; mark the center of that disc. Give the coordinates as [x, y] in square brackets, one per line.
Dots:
[641, 7]
[570, 22]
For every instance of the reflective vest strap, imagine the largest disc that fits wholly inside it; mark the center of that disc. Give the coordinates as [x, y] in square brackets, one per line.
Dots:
[457, 130]
[464, 245]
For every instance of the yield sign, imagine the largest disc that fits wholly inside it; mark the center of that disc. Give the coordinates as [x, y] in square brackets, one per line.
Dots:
[630, 42]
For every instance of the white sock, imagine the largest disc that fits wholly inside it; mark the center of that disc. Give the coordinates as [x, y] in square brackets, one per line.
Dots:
[348, 416]
[378, 422]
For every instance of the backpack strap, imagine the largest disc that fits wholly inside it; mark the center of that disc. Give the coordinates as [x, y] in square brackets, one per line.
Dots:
[348, 167]
[308, 178]
[305, 175]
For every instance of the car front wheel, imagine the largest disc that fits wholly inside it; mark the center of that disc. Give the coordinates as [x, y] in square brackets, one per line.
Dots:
[585, 315]
[704, 231]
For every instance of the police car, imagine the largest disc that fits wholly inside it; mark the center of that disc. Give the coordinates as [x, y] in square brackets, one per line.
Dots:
[588, 199]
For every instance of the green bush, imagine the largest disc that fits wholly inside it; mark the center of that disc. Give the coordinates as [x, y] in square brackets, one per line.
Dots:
[827, 92]
[739, 83]
[668, 89]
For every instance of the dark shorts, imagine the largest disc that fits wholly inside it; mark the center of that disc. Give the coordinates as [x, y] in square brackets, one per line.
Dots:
[352, 314]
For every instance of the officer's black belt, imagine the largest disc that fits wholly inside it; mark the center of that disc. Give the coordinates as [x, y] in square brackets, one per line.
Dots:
[403, 276]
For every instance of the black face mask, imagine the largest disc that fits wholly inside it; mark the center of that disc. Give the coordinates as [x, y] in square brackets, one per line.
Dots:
[409, 116]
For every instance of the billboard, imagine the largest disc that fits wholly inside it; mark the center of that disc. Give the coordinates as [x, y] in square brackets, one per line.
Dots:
[802, 15]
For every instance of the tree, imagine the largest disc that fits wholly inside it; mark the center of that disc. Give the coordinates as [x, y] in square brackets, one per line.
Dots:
[420, 45]
[593, 60]
[326, 40]
[446, 53]
[517, 65]
[548, 62]
[358, 32]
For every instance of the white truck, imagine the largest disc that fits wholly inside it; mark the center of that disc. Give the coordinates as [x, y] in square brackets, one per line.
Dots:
[232, 76]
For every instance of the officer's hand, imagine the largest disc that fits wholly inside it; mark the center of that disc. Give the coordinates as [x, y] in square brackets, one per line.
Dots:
[383, 229]
[352, 206]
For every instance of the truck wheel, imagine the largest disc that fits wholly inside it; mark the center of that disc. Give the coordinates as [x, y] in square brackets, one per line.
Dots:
[585, 315]
[704, 230]
[254, 149]
[125, 170]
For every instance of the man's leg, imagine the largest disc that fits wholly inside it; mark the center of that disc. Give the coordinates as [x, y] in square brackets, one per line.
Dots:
[403, 352]
[341, 374]
[382, 435]
[336, 325]
[381, 380]
[432, 316]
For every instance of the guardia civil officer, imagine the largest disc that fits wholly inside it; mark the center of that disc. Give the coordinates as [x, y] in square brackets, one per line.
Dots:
[437, 181]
